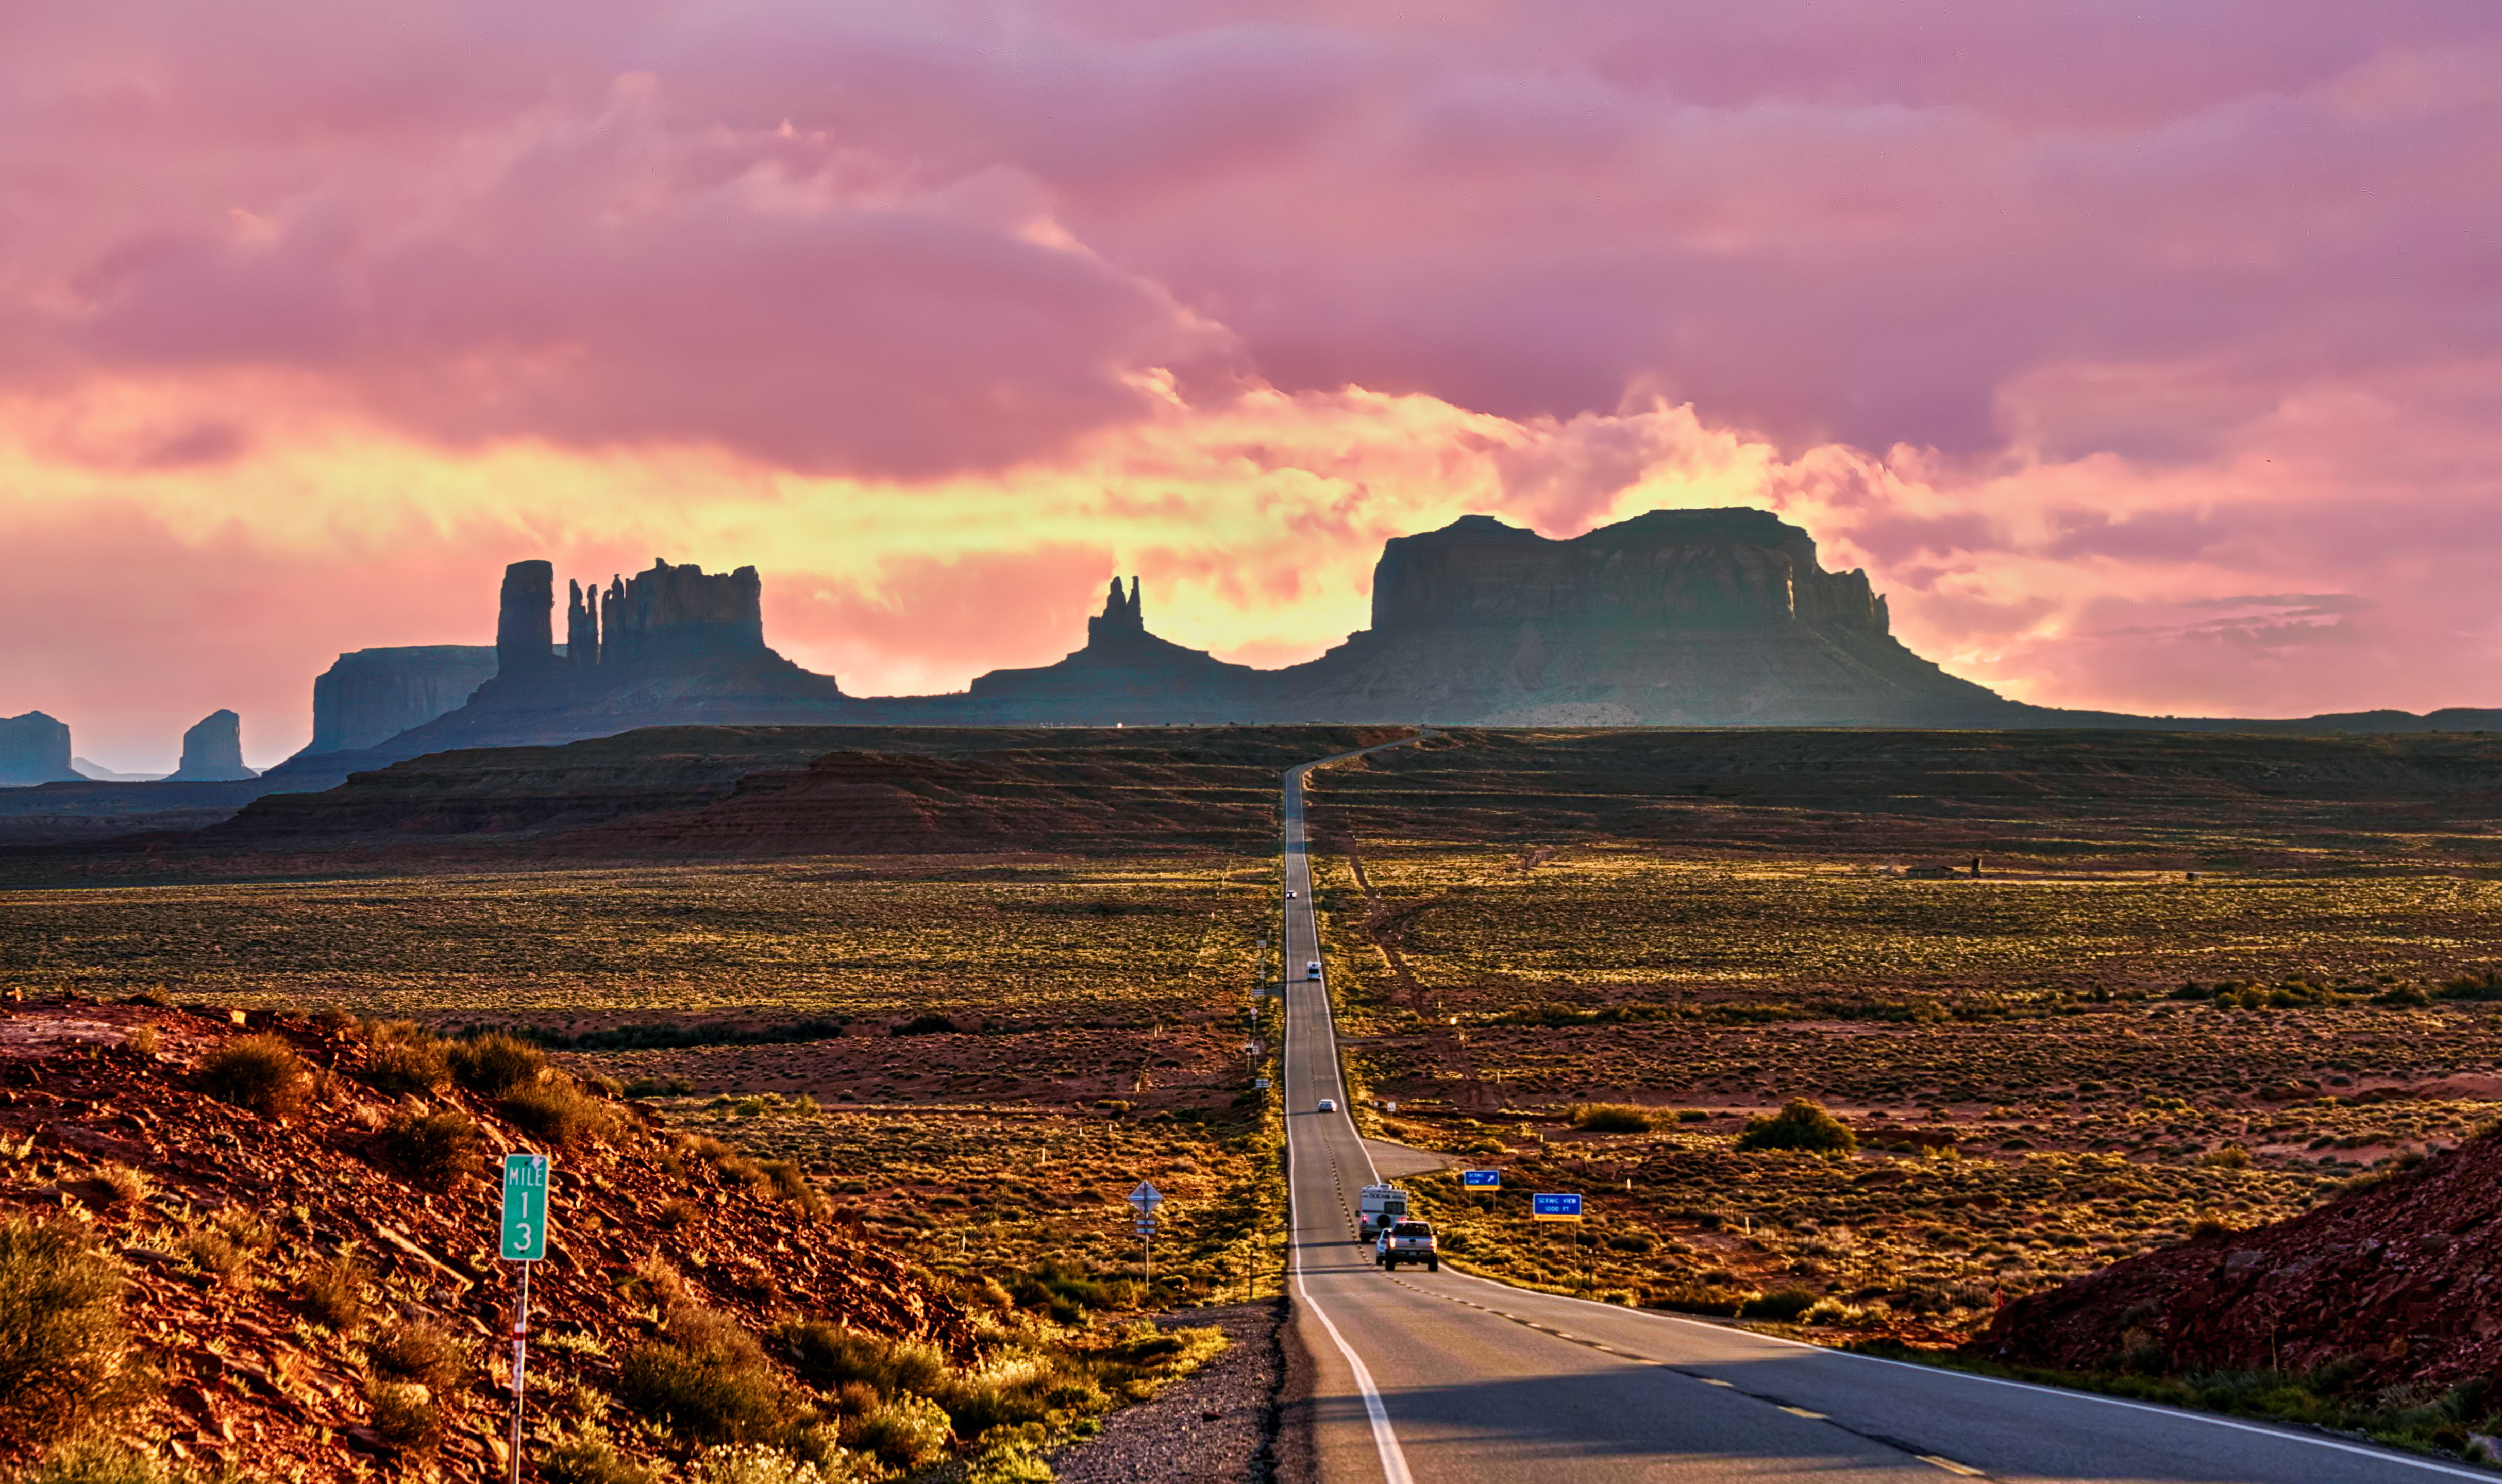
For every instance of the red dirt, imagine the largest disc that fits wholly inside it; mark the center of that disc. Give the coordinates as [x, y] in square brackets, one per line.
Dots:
[2405, 1277]
[246, 1383]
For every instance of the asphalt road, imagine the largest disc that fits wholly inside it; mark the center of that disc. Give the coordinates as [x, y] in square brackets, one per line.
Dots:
[1454, 1381]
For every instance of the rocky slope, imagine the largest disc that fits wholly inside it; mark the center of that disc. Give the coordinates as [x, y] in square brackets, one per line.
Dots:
[280, 1269]
[2401, 1284]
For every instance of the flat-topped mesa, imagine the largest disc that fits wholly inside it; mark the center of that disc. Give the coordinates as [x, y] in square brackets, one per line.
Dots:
[34, 748]
[1683, 569]
[1677, 616]
[370, 695]
[673, 615]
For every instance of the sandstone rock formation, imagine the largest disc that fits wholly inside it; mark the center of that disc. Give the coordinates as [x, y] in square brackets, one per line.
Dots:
[370, 695]
[679, 616]
[1123, 674]
[1677, 616]
[212, 751]
[673, 646]
[34, 748]
[525, 638]
[1709, 618]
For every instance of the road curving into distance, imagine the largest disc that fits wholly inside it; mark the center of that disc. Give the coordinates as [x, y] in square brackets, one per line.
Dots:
[1448, 1379]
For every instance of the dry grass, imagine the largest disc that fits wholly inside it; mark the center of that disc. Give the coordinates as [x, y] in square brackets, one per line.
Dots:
[259, 1073]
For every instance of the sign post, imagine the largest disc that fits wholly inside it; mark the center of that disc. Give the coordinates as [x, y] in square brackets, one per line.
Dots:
[1146, 1198]
[524, 1240]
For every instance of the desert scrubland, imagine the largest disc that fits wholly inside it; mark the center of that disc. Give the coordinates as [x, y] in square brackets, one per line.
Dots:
[1598, 962]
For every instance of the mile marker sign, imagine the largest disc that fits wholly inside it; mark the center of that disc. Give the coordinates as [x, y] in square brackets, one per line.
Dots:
[525, 1207]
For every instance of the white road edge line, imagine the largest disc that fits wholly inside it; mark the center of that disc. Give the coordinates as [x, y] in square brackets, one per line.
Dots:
[2282, 1434]
[1393, 1459]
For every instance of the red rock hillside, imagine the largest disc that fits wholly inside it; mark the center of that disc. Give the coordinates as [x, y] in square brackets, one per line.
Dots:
[2403, 1279]
[281, 1267]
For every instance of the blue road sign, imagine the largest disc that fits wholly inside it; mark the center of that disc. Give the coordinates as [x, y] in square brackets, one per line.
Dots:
[1482, 1177]
[1555, 1207]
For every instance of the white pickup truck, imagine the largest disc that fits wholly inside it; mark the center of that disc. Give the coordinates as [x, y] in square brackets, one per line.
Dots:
[1377, 1206]
[1406, 1241]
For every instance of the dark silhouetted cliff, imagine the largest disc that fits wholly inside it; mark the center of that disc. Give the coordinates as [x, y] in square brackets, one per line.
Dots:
[34, 748]
[371, 695]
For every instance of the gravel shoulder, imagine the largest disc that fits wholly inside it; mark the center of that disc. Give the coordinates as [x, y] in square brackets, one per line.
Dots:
[1220, 1424]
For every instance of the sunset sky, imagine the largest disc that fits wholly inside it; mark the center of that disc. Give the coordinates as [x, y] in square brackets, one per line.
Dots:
[2146, 353]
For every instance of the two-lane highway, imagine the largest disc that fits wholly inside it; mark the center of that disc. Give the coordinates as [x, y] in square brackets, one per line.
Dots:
[1448, 1379]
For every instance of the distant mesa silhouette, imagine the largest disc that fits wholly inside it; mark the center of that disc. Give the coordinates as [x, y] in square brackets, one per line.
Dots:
[34, 748]
[1700, 617]
[213, 751]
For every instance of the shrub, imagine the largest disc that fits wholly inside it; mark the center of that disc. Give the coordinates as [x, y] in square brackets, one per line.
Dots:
[753, 1463]
[405, 1415]
[1785, 1303]
[440, 1151]
[426, 1353]
[557, 1111]
[708, 1379]
[788, 1181]
[97, 1458]
[2230, 1156]
[1064, 1292]
[830, 1357]
[230, 1243]
[926, 1025]
[63, 1350]
[122, 1185]
[333, 1293]
[588, 1457]
[406, 1058]
[494, 1064]
[258, 1073]
[1610, 1117]
[1800, 1125]
[656, 1086]
[907, 1431]
[141, 1039]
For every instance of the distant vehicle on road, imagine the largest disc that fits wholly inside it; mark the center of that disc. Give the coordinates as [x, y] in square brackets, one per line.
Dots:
[1379, 1206]
[1312, 970]
[1406, 1241]
[1328, 1105]
[1290, 893]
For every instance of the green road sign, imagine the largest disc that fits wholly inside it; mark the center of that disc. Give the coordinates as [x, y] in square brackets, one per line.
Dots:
[525, 1207]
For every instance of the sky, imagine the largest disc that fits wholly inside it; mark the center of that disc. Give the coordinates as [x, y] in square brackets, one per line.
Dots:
[2146, 353]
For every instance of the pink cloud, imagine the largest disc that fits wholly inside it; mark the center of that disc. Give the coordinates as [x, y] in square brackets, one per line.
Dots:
[2066, 318]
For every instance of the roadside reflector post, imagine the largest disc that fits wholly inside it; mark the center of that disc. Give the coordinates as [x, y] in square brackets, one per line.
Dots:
[524, 1241]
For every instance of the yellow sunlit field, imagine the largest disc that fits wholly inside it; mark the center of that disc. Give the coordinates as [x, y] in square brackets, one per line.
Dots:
[2044, 1070]
[819, 938]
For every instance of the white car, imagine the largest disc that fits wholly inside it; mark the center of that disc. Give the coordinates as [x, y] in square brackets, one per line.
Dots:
[1312, 970]
[1328, 1105]
[1290, 896]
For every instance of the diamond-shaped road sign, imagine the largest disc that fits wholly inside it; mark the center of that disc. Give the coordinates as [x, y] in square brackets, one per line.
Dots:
[1146, 1198]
